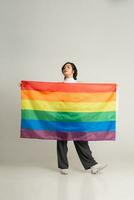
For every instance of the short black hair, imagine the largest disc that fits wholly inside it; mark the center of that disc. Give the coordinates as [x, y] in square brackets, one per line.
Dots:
[73, 68]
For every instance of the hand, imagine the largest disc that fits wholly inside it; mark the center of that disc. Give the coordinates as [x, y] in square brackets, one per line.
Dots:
[19, 84]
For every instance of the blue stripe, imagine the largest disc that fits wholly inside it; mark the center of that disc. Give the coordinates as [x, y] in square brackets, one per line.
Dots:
[69, 126]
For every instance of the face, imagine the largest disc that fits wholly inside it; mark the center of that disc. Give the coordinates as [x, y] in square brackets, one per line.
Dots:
[68, 71]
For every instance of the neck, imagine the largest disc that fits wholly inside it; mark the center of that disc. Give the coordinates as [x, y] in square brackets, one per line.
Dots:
[69, 76]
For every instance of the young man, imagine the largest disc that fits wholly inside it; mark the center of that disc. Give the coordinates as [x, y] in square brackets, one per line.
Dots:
[69, 71]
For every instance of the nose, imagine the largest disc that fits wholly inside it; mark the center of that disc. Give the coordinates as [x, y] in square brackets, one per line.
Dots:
[65, 68]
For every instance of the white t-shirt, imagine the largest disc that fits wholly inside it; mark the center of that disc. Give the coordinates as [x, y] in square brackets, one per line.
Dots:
[70, 80]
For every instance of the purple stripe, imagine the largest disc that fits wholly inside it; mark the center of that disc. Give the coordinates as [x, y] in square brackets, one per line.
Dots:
[80, 136]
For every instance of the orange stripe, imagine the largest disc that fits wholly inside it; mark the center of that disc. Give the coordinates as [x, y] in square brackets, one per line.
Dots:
[68, 97]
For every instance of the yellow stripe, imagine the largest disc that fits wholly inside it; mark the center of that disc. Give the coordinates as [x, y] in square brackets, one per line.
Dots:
[68, 106]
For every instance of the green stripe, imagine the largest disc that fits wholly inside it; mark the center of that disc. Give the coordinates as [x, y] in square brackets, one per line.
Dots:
[68, 116]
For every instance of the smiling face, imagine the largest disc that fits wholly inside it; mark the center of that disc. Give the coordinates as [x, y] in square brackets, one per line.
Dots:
[68, 71]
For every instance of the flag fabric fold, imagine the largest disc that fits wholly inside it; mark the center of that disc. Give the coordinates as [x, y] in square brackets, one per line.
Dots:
[73, 111]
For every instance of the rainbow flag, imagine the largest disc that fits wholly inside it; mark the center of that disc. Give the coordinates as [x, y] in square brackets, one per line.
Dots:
[68, 111]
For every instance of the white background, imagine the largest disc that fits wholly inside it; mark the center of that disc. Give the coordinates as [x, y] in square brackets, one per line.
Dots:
[37, 38]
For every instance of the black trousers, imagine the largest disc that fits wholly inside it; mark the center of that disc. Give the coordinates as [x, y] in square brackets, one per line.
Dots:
[83, 150]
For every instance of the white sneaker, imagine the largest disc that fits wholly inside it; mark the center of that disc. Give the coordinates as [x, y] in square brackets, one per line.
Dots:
[97, 168]
[64, 171]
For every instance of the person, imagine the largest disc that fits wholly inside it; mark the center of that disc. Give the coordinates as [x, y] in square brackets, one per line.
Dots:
[84, 152]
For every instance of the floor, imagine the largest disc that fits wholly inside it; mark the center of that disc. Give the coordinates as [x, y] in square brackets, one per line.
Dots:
[30, 181]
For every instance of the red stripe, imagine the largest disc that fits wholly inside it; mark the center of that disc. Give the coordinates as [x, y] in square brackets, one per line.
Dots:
[68, 87]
